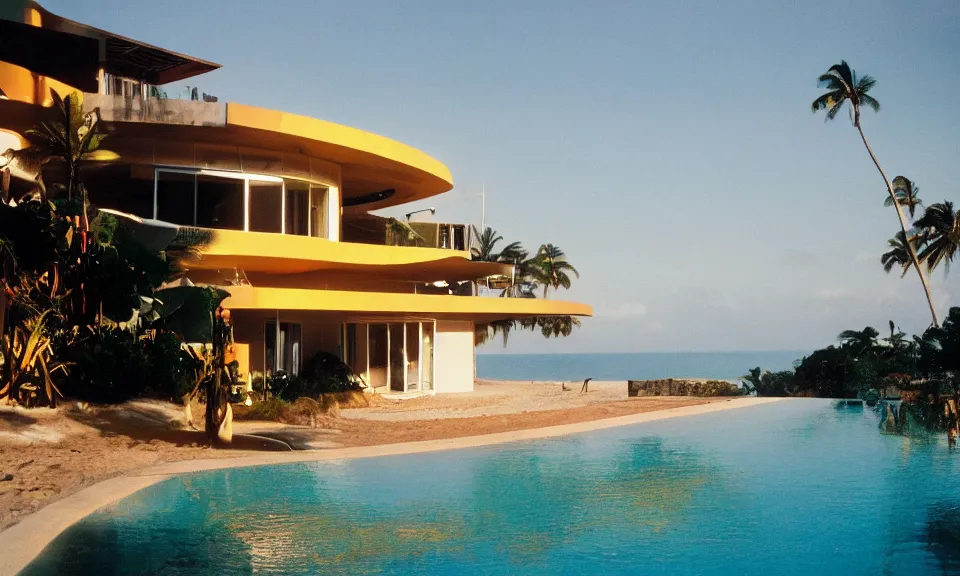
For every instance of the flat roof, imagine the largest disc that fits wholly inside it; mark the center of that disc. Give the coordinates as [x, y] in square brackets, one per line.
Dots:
[73, 52]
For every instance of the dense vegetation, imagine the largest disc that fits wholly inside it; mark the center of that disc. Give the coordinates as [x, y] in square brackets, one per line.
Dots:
[863, 360]
[547, 269]
[90, 309]
[926, 365]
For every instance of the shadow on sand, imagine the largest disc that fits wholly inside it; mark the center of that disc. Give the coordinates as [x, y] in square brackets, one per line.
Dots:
[144, 423]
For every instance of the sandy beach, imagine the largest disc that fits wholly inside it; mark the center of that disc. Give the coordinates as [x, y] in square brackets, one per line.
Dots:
[46, 455]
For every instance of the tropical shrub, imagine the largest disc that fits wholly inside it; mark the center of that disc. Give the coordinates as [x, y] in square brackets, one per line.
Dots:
[324, 373]
[780, 383]
[269, 409]
[171, 368]
[111, 366]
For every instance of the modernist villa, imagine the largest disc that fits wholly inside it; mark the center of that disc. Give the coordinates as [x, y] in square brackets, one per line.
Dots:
[289, 201]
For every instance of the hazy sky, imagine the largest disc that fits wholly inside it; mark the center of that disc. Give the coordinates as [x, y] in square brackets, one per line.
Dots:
[667, 147]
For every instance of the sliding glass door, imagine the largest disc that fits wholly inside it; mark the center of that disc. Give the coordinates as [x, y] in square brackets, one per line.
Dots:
[396, 355]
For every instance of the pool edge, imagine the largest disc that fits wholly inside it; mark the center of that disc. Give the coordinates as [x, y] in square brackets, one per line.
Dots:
[21, 543]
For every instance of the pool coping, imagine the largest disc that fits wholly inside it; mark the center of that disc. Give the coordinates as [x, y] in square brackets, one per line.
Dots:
[24, 541]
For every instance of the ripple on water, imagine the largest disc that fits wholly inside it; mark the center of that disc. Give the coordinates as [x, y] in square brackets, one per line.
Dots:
[785, 488]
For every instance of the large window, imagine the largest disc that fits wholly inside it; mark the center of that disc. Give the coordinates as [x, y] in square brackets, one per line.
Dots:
[266, 205]
[282, 347]
[237, 201]
[297, 209]
[123, 187]
[219, 202]
[176, 197]
[397, 355]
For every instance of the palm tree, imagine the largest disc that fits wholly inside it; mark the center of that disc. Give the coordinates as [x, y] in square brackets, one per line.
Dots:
[556, 326]
[898, 255]
[526, 272]
[906, 192]
[862, 340]
[897, 337]
[553, 268]
[940, 233]
[485, 251]
[843, 86]
[71, 139]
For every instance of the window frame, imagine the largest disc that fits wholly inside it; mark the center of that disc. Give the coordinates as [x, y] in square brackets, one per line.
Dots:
[247, 178]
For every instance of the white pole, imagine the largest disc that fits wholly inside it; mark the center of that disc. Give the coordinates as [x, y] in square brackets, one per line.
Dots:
[483, 208]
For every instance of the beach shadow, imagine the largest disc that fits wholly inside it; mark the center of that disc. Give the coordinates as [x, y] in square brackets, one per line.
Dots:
[147, 425]
[11, 419]
[300, 438]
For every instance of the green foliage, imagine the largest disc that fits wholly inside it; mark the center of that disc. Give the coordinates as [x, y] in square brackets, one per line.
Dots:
[777, 384]
[843, 86]
[675, 387]
[824, 373]
[269, 410]
[171, 367]
[322, 374]
[907, 194]
[112, 366]
[552, 269]
[751, 381]
[86, 292]
[547, 269]
[939, 234]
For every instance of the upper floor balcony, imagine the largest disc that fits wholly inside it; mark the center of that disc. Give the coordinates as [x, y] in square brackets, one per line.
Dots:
[156, 110]
[371, 229]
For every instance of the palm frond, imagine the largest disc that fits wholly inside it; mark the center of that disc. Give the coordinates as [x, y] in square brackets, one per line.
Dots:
[867, 100]
[832, 113]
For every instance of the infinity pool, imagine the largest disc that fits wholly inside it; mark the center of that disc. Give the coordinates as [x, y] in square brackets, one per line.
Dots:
[797, 487]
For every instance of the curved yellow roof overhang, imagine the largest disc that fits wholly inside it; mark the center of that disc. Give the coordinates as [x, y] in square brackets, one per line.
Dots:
[370, 163]
[468, 307]
[289, 254]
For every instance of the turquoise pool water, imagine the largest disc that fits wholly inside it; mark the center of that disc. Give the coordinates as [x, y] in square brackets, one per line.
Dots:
[798, 487]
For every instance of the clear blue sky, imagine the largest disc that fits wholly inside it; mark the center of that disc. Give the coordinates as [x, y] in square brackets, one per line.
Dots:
[669, 150]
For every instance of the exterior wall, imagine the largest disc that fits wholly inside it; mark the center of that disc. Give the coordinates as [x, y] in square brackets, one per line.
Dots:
[454, 356]
[319, 332]
[453, 343]
[18, 83]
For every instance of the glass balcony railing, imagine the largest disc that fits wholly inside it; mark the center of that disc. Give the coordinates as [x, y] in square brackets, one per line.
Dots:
[368, 229]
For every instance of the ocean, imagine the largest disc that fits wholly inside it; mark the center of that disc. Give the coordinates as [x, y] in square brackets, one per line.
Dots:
[640, 366]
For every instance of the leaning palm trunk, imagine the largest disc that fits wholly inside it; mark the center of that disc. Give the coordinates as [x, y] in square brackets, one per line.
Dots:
[903, 226]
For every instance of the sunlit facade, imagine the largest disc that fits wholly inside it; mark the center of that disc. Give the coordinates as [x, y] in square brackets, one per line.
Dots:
[288, 200]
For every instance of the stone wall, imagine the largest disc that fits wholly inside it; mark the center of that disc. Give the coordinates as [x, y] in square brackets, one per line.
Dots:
[675, 387]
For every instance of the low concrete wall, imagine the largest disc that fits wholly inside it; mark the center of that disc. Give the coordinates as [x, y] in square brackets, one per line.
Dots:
[157, 110]
[674, 387]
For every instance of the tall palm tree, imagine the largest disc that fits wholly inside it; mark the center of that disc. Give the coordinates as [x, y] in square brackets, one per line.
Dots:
[940, 233]
[554, 270]
[907, 193]
[843, 86]
[898, 255]
[897, 337]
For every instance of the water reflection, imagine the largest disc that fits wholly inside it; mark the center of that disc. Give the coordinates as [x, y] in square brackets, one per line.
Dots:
[729, 493]
[942, 534]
